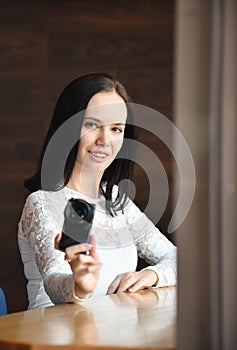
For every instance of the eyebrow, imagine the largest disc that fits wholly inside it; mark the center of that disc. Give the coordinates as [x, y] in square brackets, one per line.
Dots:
[99, 121]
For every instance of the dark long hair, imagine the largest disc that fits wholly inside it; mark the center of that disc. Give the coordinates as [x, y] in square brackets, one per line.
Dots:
[74, 99]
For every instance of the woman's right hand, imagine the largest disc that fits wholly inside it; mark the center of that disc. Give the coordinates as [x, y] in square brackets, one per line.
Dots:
[85, 267]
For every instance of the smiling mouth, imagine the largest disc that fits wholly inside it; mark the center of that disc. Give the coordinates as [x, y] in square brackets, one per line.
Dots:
[98, 154]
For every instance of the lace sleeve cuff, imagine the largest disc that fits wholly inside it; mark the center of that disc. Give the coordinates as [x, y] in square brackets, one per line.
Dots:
[73, 298]
[77, 300]
[61, 289]
[166, 269]
[166, 275]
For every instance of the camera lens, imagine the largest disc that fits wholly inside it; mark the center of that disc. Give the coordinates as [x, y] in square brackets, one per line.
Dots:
[81, 209]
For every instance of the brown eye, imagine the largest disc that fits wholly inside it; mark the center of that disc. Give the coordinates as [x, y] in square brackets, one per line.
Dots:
[117, 130]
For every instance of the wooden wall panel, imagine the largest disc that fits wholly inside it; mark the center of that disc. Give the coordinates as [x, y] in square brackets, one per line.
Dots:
[43, 46]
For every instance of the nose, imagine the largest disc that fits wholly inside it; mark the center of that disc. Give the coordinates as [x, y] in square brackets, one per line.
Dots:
[103, 136]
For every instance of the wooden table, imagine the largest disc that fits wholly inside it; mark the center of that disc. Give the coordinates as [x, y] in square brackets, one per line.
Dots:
[142, 320]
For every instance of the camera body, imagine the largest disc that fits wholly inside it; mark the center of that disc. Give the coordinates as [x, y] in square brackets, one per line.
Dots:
[78, 217]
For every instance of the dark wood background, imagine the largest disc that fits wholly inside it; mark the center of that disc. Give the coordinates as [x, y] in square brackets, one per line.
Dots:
[43, 46]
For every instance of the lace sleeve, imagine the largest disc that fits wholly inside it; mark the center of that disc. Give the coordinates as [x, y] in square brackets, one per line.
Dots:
[152, 246]
[40, 230]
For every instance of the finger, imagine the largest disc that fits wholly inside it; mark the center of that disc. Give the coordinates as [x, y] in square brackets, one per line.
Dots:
[88, 269]
[137, 286]
[92, 240]
[56, 241]
[124, 286]
[93, 251]
[122, 282]
[114, 285]
[141, 283]
[127, 282]
[81, 260]
[76, 249]
[134, 281]
[94, 268]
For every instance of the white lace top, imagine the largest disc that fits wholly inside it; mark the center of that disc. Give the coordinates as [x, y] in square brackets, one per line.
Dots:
[118, 240]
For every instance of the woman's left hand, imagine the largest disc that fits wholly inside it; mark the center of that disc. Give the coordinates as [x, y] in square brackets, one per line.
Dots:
[133, 281]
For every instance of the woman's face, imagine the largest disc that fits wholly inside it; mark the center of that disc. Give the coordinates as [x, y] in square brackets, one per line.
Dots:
[102, 131]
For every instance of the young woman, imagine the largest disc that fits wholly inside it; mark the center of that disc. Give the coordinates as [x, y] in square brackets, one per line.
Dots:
[96, 167]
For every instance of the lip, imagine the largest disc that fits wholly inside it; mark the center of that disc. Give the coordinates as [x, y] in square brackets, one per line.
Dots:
[98, 155]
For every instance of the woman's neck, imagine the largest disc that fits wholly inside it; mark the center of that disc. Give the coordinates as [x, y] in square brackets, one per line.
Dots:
[87, 183]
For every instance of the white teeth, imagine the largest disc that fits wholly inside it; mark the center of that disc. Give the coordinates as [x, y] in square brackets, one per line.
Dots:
[99, 155]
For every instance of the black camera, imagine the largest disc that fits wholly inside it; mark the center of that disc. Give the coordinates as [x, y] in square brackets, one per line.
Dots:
[78, 217]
